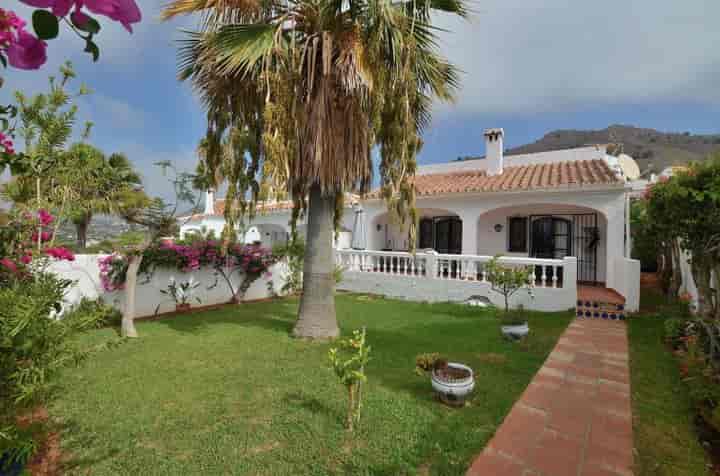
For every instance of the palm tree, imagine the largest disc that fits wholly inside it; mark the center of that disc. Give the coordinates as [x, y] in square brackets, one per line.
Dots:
[315, 85]
[99, 184]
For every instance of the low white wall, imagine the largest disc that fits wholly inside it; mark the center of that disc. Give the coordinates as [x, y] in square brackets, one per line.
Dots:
[85, 272]
[627, 282]
[424, 288]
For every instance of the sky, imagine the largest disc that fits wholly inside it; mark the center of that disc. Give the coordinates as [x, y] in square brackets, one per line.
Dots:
[528, 66]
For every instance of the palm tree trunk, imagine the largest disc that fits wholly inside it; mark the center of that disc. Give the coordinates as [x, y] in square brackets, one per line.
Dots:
[316, 318]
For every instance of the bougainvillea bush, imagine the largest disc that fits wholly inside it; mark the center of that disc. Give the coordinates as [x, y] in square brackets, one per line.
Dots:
[252, 261]
[26, 245]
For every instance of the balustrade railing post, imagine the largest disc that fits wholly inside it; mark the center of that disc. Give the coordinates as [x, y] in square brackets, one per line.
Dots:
[431, 263]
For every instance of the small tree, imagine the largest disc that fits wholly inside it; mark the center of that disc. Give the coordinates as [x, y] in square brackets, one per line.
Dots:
[158, 219]
[348, 360]
[508, 280]
[686, 209]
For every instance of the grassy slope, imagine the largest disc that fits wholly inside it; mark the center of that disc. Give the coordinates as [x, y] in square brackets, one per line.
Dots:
[229, 392]
[665, 438]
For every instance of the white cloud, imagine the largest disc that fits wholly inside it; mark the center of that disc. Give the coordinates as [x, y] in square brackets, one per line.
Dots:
[525, 56]
[99, 107]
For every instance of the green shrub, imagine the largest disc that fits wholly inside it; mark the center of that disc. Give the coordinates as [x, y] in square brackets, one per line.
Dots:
[426, 362]
[34, 346]
[516, 317]
[674, 328]
[104, 314]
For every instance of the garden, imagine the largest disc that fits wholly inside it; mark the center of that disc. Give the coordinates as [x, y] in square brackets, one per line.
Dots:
[229, 391]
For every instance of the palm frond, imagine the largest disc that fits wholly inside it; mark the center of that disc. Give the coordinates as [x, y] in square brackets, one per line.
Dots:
[240, 47]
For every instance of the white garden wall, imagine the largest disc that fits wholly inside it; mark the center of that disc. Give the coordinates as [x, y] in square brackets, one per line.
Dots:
[421, 277]
[627, 282]
[85, 271]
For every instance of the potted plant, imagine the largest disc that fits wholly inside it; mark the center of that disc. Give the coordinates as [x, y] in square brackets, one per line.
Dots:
[506, 281]
[514, 324]
[180, 292]
[451, 381]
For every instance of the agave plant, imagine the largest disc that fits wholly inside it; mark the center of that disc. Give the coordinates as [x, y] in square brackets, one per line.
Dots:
[298, 93]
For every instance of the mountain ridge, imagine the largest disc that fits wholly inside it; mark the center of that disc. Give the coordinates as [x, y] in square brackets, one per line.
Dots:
[652, 149]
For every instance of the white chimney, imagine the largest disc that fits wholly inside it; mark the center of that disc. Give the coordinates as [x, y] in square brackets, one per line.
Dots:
[210, 202]
[494, 151]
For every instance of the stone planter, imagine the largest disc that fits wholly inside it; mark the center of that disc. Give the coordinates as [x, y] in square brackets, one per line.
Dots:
[453, 384]
[516, 332]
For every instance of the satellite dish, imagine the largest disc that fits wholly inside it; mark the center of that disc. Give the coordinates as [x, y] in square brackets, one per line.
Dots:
[629, 167]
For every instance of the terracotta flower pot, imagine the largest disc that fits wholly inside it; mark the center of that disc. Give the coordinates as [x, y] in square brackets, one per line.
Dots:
[182, 307]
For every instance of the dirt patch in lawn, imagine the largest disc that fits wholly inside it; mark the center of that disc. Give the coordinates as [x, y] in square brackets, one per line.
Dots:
[47, 460]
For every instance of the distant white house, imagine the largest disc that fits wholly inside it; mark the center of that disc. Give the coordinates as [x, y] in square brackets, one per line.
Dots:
[538, 209]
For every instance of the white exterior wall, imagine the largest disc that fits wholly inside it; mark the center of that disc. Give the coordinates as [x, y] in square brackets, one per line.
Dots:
[86, 272]
[268, 223]
[476, 212]
[627, 281]
[593, 152]
[438, 289]
[491, 242]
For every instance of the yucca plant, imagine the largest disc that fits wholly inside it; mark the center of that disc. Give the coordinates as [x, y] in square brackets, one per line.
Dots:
[298, 94]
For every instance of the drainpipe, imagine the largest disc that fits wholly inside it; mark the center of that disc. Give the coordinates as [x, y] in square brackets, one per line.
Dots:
[628, 237]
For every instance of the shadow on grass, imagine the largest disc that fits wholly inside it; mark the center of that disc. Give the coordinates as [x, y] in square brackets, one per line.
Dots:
[274, 319]
[302, 401]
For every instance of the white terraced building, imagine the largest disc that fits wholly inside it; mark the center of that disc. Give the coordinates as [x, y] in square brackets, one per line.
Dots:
[563, 212]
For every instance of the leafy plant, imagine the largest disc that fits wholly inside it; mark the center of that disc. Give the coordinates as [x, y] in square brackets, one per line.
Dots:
[426, 362]
[294, 252]
[508, 280]
[514, 318]
[34, 347]
[180, 292]
[348, 360]
[103, 314]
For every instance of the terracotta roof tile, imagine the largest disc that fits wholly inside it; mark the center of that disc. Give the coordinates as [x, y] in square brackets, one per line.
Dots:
[577, 173]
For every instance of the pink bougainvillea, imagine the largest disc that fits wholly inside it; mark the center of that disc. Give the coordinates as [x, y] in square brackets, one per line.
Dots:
[253, 260]
[59, 252]
[112, 272]
[24, 50]
[45, 217]
[6, 144]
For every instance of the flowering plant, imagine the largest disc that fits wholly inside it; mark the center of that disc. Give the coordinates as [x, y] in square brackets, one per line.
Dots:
[22, 244]
[24, 50]
[180, 292]
[252, 260]
[112, 272]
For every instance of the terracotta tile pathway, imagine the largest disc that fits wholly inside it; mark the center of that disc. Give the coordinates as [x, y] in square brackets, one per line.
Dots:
[574, 419]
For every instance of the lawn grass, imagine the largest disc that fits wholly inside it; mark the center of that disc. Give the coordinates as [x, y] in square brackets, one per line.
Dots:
[230, 392]
[665, 437]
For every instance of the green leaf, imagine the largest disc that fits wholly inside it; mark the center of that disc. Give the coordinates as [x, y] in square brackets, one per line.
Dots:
[240, 47]
[91, 26]
[92, 48]
[45, 24]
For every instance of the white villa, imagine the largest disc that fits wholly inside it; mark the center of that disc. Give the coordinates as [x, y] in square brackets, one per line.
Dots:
[563, 212]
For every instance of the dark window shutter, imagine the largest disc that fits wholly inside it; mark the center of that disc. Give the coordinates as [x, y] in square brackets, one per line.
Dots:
[517, 234]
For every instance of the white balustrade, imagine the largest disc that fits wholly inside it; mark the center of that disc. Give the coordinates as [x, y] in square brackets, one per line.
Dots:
[546, 273]
[389, 262]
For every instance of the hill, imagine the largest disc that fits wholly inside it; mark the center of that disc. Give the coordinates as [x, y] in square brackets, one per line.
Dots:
[652, 149]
